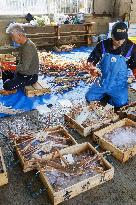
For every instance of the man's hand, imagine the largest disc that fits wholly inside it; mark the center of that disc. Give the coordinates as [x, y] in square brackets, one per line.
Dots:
[91, 69]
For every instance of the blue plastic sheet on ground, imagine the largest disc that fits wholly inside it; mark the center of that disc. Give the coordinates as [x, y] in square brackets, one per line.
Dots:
[22, 102]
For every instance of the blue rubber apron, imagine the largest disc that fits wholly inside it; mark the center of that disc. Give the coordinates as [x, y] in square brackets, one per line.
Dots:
[113, 82]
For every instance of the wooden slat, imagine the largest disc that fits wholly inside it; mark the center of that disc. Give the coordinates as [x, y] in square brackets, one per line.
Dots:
[3, 176]
[29, 87]
[6, 92]
[70, 32]
[42, 84]
[29, 90]
[45, 44]
[47, 37]
[38, 34]
[36, 89]
[78, 32]
[37, 86]
[79, 35]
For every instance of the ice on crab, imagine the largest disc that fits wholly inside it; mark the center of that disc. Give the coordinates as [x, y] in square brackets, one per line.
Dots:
[82, 116]
[43, 109]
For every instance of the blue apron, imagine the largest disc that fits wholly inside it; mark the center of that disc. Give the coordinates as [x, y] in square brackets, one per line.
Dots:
[113, 81]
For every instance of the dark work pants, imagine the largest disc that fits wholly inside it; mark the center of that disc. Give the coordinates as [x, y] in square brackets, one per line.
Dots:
[12, 80]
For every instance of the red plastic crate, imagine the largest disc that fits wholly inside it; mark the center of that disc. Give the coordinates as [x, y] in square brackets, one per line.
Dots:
[8, 66]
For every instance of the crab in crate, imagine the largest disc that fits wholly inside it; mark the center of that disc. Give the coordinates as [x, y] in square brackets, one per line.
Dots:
[66, 170]
[33, 146]
[71, 171]
[90, 115]
[87, 118]
[129, 109]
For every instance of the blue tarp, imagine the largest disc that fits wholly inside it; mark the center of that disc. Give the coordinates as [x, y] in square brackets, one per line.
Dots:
[22, 102]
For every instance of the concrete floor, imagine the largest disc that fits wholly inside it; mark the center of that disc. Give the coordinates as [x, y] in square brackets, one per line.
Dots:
[119, 191]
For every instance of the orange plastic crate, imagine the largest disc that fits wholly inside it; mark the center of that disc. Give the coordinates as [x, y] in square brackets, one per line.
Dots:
[8, 66]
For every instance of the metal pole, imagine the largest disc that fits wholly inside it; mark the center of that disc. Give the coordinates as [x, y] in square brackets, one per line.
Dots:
[60, 7]
[65, 6]
[77, 7]
[86, 6]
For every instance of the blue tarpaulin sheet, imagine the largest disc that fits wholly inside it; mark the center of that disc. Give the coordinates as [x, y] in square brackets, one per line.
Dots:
[20, 101]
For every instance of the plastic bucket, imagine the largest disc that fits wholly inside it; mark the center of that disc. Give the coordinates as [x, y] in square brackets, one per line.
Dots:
[94, 39]
[102, 37]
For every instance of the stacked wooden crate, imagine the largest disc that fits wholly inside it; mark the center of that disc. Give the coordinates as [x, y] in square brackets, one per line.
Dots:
[63, 34]
[3, 172]
[80, 164]
[86, 127]
[76, 168]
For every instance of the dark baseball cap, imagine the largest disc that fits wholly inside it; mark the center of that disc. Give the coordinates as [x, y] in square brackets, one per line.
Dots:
[119, 31]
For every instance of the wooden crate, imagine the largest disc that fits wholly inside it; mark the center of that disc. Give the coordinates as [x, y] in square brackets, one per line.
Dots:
[37, 89]
[124, 111]
[7, 92]
[50, 35]
[7, 57]
[80, 186]
[3, 174]
[85, 131]
[29, 165]
[7, 62]
[132, 90]
[121, 154]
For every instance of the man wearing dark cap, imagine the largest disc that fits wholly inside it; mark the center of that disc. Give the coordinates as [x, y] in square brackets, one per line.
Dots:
[113, 57]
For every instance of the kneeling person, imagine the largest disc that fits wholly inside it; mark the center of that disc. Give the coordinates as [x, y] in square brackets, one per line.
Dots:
[115, 56]
[28, 63]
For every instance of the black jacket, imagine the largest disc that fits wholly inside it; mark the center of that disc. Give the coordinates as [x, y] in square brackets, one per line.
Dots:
[96, 54]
